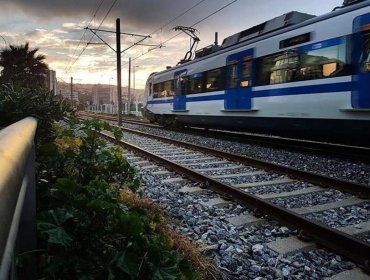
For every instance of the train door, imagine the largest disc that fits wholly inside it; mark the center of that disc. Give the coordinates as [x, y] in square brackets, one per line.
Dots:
[361, 56]
[179, 100]
[238, 81]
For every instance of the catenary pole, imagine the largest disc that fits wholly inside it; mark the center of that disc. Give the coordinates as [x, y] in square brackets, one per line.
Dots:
[129, 86]
[119, 82]
[118, 52]
[72, 91]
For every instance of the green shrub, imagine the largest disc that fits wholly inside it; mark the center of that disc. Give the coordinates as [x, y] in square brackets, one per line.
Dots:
[87, 232]
[18, 102]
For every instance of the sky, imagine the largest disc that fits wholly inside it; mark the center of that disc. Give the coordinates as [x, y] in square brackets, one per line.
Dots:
[56, 28]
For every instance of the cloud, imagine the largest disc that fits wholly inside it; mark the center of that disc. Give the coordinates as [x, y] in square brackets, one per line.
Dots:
[146, 14]
[69, 25]
[57, 26]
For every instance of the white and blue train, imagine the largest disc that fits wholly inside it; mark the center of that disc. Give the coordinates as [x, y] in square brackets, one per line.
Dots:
[296, 73]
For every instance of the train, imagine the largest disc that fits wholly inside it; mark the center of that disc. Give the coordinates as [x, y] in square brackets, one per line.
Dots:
[296, 74]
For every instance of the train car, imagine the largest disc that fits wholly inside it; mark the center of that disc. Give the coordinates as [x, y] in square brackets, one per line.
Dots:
[295, 74]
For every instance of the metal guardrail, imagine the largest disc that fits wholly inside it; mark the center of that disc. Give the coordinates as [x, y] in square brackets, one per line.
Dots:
[17, 193]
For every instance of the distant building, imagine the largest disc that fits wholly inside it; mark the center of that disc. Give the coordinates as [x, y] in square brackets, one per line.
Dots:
[51, 81]
[114, 94]
[102, 94]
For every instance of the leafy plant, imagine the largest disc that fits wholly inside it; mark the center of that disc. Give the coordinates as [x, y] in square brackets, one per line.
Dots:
[86, 231]
[17, 103]
[22, 66]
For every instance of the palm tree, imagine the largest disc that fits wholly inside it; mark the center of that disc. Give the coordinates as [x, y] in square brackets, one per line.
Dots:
[22, 66]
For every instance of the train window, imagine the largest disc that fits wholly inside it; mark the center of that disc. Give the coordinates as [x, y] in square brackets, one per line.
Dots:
[164, 89]
[323, 63]
[232, 75]
[161, 92]
[246, 72]
[195, 83]
[264, 66]
[214, 79]
[366, 48]
[183, 84]
[156, 91]
[150, 89]
[308, 63]
[168, 88]
[278, 68]
[285, 67]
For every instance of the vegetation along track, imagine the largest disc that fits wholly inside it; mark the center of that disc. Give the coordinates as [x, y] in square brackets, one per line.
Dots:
[338, 239]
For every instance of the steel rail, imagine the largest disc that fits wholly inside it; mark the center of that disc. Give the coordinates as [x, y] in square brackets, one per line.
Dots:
[323, 148]
[355, 249]
[111, 118]
[344, 151]
[360, 190]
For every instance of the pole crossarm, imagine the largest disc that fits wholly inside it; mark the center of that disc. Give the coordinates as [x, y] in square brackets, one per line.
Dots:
[151, 45]
[94, 31]
[96, 34]
[138, 43]
[122, 33]
[118, 53]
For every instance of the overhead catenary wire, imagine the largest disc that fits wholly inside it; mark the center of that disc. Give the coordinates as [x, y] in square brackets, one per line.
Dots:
[101, 23]
[196, 23]
[137, 43]
[160, 28]
[177, 17]
[83, 35]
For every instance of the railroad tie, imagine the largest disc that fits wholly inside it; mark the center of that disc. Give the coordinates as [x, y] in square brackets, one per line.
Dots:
[292, 193]
[201, 163]
[290, 245]
[220, 168]
[183, 161]
[186, 190]
[142, 162]
[354, 274]
[216, 202]
[147, 167]
[356, 229]
[175, 155]
[239, 175]
[245, 220]
[327, 206]
[162, 172]
[173, 180]
[264, 183]
[132, 158]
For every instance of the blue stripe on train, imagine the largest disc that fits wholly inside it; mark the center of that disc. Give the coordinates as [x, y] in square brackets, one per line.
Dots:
[313, 89]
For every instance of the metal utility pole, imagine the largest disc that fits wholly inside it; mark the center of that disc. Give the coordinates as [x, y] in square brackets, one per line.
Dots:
[118, 52]
[129, 86]
[72, 91]
[119, 82]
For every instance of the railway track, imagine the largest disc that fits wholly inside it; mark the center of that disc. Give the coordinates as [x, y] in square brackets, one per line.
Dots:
[114, 119]
[320, 148]
[228, 171]
[215, 170]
